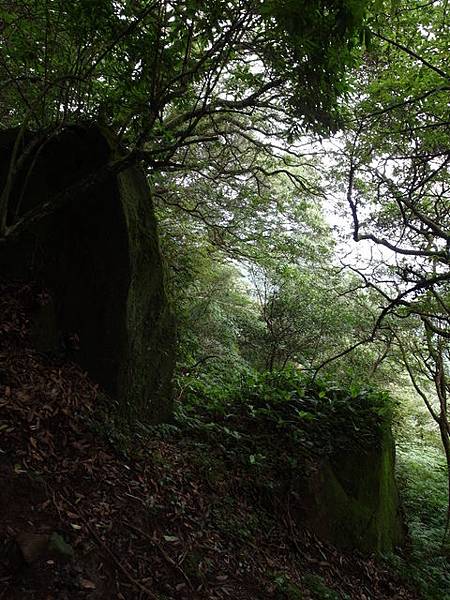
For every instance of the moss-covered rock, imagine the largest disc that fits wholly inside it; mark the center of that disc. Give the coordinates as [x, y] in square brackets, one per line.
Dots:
[100, 257]
[352, 499]
[147, 366]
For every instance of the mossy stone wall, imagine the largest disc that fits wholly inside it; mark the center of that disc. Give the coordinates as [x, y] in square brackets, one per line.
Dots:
[352, 499]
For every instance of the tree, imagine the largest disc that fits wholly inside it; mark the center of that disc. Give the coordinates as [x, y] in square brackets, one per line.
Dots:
[426, 356]
[312, 314]
[169, 77]
[398, 184]
[398, 191]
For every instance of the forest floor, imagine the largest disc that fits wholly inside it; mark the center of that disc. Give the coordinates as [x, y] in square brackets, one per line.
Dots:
[170, 517]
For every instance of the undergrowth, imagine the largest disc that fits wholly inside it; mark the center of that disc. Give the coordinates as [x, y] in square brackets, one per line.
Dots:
[293, 401]
[423, 483]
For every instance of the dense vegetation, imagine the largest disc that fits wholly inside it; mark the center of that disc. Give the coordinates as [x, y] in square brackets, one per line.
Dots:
[297, 154]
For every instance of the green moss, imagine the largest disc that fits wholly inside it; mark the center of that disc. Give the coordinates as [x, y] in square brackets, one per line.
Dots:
[58, 546]
[233, 524]
[320, 591]
[285, 588]
[145, 377]
[192, 564]
[355, 501]
[211, 467]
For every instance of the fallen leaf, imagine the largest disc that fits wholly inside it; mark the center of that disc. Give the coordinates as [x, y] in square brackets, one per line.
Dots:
[87, 584]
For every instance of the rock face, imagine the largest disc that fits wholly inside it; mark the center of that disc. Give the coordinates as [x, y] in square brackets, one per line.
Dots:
[352, 500]
[100, 257]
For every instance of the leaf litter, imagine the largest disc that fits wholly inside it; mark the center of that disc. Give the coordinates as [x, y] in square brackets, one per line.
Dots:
[147, 523]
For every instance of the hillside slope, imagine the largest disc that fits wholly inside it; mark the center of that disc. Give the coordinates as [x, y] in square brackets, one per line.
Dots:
[87, 514]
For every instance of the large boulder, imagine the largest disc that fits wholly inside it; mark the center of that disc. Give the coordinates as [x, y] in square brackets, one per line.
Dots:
[352, 500]
[99, 255]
